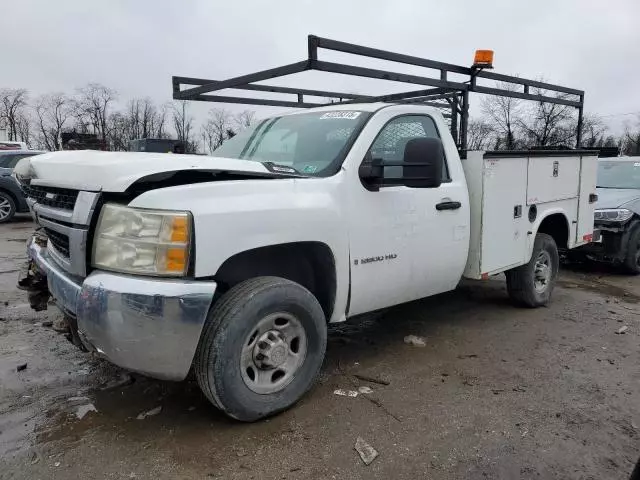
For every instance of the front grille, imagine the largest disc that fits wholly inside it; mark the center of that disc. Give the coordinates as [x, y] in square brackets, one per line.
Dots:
[59, 241]
[52, 197]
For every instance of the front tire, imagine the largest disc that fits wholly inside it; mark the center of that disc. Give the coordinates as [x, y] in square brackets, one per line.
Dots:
[631, 262]
[261, 348]
[7, 207]
[531, 284]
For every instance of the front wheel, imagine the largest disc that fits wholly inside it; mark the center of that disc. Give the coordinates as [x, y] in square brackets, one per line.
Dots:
[532, 284]
[261, 348]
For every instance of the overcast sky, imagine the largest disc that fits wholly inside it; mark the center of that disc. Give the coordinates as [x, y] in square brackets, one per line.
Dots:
[136, 46]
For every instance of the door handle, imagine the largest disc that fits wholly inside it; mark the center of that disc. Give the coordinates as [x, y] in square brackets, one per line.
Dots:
[448, 205]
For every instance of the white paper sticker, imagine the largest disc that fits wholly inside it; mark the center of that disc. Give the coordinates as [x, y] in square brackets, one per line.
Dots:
[341, 114]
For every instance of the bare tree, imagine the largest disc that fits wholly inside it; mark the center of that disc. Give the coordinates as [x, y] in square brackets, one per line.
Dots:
[503, 114]
[630, 141]
[480, 135]
[23, 124]
[53, 112]
[147, 121]
[161, 121]
[92, 108]
[183, 125]
[140, 119]
[119, 131]
[13, 103]
[217, 128]
[244, 119]
[548, 124]
[593, 131]
[612, 141]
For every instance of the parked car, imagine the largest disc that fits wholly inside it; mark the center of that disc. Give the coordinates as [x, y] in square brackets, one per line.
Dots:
[12, 200]
[617, 214]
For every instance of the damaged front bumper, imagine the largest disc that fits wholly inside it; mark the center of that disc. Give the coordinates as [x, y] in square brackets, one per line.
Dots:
[613, 243]
[147, 325]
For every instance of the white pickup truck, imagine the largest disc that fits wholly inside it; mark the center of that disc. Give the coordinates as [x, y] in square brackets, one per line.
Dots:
[234, 264]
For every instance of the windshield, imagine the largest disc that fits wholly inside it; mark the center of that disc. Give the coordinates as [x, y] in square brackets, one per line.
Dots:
[313, 143]
[619, 174]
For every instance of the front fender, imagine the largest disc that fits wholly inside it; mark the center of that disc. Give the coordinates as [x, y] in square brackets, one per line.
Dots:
[234, 216]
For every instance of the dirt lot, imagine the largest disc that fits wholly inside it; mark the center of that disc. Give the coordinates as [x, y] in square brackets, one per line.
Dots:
[497, 392]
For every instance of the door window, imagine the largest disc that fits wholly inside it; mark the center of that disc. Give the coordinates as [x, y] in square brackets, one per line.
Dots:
[390, 143]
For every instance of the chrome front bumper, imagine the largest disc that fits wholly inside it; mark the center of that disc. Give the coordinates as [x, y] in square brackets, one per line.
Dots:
[151, 326]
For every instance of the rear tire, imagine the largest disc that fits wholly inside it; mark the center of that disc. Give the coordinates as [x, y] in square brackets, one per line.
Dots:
[531, 284]
[261, 348]
[631, 262]
[7, 207]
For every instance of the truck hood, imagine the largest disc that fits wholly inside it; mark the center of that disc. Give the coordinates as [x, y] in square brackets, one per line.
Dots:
[616, 197]
[116, 171]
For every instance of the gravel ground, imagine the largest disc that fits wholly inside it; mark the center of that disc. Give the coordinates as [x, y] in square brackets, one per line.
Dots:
[497, 392]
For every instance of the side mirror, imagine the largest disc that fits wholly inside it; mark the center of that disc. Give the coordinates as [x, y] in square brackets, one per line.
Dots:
[371, 171]
[423, 163]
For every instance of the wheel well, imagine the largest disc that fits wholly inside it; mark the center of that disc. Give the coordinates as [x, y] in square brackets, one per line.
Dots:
[557, 226]
[311, 264]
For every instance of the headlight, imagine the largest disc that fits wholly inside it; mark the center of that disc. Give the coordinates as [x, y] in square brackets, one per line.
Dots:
[151, 242]
[613, 215]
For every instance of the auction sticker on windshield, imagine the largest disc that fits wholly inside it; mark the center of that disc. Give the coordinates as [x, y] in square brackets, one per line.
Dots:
[339, 114]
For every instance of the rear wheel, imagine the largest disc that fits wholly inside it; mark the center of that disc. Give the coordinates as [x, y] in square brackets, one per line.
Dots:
[261, 349]
[532, 284]
[7, 207]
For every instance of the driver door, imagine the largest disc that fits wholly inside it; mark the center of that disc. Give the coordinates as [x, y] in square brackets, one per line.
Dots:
[403, 244]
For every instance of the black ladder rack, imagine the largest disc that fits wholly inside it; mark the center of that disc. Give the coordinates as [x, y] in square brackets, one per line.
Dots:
[438, 90]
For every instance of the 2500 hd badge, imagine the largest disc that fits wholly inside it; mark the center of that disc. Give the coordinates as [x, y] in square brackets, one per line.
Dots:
[380, 258]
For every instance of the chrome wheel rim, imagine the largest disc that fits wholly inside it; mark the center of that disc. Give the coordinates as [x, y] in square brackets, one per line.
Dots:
[542, 272]
[273, 352]
[5, 207]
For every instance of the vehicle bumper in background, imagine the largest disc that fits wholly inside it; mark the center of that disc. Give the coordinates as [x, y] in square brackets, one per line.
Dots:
[151, 326]
[612, 244]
